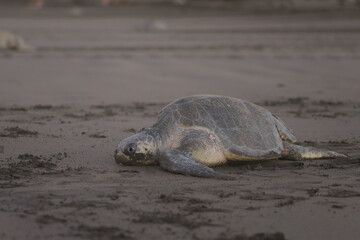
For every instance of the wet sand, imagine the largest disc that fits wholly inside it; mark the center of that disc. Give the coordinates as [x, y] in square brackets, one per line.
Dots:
[92, 80]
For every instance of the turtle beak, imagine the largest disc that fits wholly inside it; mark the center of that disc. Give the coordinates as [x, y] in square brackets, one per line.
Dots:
[120, 157]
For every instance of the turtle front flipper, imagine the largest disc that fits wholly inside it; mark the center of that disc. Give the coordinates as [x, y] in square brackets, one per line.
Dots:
[177, 161]
[296, 152]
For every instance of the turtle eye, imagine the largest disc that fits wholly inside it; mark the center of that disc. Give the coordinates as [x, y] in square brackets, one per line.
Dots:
[130, 149]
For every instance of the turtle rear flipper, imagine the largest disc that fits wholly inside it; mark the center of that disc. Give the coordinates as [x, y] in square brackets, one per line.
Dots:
[285, 133]
[296, 152]
[177, 161]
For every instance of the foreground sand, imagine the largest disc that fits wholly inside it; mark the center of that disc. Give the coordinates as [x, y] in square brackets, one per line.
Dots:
[92, 81]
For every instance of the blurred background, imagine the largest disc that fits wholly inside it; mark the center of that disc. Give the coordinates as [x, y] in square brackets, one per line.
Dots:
[243, 4]
[111, 51]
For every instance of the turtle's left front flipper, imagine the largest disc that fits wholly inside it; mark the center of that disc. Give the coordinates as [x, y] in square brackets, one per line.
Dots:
[177, 161]
[297, 152]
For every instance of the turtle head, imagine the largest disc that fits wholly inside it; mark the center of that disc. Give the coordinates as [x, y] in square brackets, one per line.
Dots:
[138, 149]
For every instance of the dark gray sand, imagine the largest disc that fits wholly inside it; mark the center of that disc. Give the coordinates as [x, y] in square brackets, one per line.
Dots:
[91, 81]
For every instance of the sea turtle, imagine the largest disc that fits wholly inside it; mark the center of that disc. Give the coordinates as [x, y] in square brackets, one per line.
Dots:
[196, 132]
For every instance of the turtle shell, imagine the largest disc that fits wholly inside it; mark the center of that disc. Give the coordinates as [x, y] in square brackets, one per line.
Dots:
[233, 121]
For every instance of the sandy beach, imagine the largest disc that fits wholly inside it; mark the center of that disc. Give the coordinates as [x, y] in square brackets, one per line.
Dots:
[92, 79]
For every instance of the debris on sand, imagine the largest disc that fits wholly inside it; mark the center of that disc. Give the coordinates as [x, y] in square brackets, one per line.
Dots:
[97, 135]
[153, 25]
[305, 107]
[28, 156]
[301, 101]
[18, 109]
[288, 101]
[9, 41]
[289, 201]
[10, 184]
[172, 219]
[127, 171]
[312, 192]
[342, 193]
[29, 164]
[130, 130]
[256, 236]
[14, 132]
[103, 232]
[267, 236]
[338, 206]
[33, 162]
[48, 219]
[42, 107]
[226, 195]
